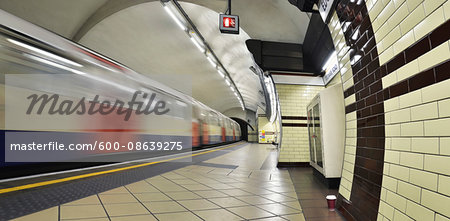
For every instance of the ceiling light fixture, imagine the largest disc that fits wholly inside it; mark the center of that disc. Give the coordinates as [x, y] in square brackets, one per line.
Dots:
[197, 44]
[174, 17]
[211, 61]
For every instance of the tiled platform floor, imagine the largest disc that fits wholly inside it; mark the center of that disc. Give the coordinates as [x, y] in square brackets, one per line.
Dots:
[228, 187]
[311, 194]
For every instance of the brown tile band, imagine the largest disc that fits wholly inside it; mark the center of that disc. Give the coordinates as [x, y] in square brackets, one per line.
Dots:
[369, 107]
[294, 125]
[294, 118]
[435, 38]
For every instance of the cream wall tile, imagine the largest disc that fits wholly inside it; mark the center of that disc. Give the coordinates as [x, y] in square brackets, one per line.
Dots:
[444, 108]
[401, 143]
[396, 201]
[444, 146]
[348, 74]
[350, 99]
[437, 164]
[387, 12]
[413, 19]
[434, 57]
[425, 145]
[440, 127]
[404, 42]
[399, 15]
[392, 37]
[412, 129]
[401, 116]
[408, 70]
[414, 160]
[376, 9]
[345, 193]
[383, 194]
[386, 55]
[387, 118]
[423, 179]
[391, 104]
[429, 23]
[399, 172]
[409, 191]
[410, 99]
[440, 217]
[351, 133]
[392, 130]
[387, 143]
[431, 5]
[412, 4]
[436, 202]
[351, 124]
[392, 157]
[390, 183]
[386, 210]
[386, 168]
[398, 216]
[444, 185]
[424, 112]
[350, 116]
[447, 10]
[389, 79]
[379, 34]
[398, 3]
[418, 212]
[348, 84]
[437, 91]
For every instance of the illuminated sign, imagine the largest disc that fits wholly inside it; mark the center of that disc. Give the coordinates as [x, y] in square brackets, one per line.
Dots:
[229, 24]
[331, 68]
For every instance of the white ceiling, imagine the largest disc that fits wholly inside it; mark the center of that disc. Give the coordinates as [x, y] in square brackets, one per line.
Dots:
[145, 38]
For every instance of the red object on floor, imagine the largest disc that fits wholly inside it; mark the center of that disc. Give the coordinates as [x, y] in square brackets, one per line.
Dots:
[331, 200]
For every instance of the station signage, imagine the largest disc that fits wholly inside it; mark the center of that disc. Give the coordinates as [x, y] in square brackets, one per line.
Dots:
[229, 24]
[325, 7]
[331, 68]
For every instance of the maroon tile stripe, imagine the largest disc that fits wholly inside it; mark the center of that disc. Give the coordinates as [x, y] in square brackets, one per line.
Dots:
[294, 118]
[294, 125]
[369, 107]
[438, 36]
[367, 75]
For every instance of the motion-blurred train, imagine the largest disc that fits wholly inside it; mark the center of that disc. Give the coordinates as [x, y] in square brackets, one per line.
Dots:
[36, 61]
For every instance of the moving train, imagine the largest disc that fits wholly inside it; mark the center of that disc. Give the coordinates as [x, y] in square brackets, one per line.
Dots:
[49, 84]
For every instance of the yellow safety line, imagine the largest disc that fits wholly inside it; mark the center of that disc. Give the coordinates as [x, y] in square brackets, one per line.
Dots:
[45, 183]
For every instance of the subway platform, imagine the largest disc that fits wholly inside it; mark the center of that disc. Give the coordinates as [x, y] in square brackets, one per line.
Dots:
[234, 182]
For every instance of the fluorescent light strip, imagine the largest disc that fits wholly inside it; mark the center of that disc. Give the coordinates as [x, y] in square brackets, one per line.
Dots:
[197, 44]
[170, 12]
[211, 61]
[228, 82]
[221, 73]
[232, 88]
[45, 53]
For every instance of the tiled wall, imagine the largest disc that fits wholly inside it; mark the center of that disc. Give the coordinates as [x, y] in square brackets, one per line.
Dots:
[416, 177]
[293, 102]
[394, 59]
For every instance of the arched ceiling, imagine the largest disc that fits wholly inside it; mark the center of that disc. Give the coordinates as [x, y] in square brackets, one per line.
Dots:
[142, 36]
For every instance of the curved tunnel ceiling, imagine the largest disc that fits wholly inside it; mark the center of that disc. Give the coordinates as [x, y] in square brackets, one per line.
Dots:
[142, 36]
